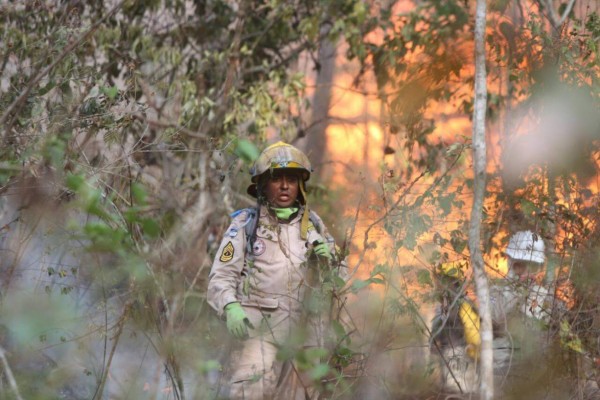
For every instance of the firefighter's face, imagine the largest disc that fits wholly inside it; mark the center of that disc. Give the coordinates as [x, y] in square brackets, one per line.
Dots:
[522, 268]
[281, 188]
[519, 267]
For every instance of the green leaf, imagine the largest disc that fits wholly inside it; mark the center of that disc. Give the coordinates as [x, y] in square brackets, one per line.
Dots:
[319, 371]
[209, 365]
[110, 92]
[339, 282]
[103, 237]
[316, 353]
[359, 284]
[135, 268]
[139, 193]
[54, 151]
[246, 150]
[424, 278]
[446, 204]
[380, 269]
[93, 198]
[528, 207]
[344, 356]
[458, 244]
[49, 86]
[338, 329]
[98, 229]
[151, 227]
[74, 182]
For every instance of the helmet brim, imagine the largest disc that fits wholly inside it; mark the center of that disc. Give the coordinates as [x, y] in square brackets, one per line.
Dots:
[302, 172]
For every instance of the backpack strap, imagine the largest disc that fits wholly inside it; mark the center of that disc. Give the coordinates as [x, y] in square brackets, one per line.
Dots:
[252, 222]
[249, 228]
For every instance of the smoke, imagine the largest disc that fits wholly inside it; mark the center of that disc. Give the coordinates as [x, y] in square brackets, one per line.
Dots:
[562, 124]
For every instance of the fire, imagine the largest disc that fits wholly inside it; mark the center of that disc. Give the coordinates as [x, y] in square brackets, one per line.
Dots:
[360, 144]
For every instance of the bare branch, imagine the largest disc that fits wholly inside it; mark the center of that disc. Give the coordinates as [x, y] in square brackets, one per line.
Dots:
[100, 389]
[23, 96]
[565, 15]
[154, 123]
[9, 375]
[551, 13]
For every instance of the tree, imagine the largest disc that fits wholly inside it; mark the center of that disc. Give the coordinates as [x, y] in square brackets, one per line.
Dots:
[419, 65]
[136, 123]
[127, 134]
[479, 165]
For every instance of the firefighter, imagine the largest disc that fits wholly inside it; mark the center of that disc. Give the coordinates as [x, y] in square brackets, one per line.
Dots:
[264, 268]
[519, 300]
[455, 330]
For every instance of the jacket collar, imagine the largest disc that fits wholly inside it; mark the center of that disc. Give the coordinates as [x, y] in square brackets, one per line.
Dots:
[264, 212]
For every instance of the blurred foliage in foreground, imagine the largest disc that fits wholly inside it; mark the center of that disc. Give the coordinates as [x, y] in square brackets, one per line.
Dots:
[127, 129]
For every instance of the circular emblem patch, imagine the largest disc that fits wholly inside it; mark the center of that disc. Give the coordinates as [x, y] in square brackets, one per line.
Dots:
[259, 247]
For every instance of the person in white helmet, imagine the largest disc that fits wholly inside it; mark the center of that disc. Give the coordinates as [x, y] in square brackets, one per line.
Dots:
[521, 306]
[269, 261]
[529, 326]
[517, 301]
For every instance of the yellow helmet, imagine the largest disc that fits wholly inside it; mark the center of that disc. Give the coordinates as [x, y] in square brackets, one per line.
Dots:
[284, 156]
[276, 156]
[451, 269]
[281, 155]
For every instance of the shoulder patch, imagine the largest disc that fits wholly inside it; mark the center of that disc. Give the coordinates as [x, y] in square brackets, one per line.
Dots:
[259, 247]
[227, 253]
[232, 232]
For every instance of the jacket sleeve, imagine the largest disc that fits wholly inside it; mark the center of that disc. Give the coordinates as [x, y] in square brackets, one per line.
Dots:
[225, 274]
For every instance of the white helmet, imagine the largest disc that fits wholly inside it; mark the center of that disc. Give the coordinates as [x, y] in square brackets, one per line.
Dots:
[526, 246]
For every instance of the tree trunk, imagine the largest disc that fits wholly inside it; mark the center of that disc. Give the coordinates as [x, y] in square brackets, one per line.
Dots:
[479, 164]
[315, 141]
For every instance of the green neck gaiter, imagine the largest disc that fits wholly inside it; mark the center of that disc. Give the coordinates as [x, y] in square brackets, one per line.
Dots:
[284, 213]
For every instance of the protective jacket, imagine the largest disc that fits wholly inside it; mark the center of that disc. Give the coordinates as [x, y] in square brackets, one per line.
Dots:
[520, 313]
[271, 279]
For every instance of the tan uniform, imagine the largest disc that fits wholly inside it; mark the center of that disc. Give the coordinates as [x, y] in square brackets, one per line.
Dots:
[271, 284]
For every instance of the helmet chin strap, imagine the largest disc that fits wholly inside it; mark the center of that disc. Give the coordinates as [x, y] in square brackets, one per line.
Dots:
[305, 220]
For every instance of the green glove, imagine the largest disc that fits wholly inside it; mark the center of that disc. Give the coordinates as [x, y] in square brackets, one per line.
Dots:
[321, 249]
[237, 320]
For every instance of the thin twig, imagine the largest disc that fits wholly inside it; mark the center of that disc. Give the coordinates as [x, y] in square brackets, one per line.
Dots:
[405, 193]
[23, 96]
[154, 123]
[9, 374]
[120, 325]
[565, 15]
[551, 14]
